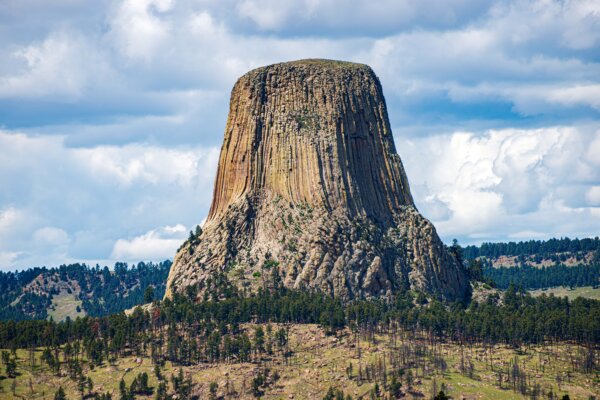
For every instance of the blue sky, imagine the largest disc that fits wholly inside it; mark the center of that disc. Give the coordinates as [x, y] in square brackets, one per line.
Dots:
[112, 113]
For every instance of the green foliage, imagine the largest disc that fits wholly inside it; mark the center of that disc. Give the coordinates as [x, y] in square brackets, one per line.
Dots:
[260, 383]
[441, 396]
[217, 336]
[102, 292]
[139, 385]
[161, 392]
[212, 389]
[336, 394]
[123, 392]
[10, 363]
[259, 339]
[193, 239]
[149, 294]
[456, 251]
[11, 368]
[60, 394]
[395, 387]
[332, 317]
[182, 386]
[584, 273]
[421, 298]
[281, 338]
[475, 270]
[531, 278]
[532, 247]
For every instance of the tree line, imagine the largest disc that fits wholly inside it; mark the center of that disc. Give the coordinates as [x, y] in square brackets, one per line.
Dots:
[478, 262]
[186, 331]
[532, 278]
[533, 247]
[102, 291]
[520, 318]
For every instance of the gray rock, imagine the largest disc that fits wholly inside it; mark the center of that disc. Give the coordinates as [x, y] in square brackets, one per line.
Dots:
[309, 175]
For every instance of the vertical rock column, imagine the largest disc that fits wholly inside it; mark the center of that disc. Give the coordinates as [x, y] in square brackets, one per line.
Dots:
[309, 174]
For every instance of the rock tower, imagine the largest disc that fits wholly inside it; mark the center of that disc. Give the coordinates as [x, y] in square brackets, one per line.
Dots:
[309, 178]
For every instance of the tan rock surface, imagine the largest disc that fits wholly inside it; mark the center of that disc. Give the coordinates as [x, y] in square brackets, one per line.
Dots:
[309, 173]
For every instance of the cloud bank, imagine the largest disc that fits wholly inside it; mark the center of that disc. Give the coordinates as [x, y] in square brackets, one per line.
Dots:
[111, 114]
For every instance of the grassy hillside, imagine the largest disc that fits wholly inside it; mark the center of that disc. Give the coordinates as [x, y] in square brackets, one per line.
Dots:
[589, 292]
[346, 361]
[77, 290]
[535, 264]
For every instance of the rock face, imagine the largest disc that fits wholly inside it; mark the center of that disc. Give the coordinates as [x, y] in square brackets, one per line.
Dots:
[309, 177]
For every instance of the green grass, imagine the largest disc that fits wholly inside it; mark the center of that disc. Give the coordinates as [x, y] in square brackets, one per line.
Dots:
[561, 291]
[65, 305]
[320, 361]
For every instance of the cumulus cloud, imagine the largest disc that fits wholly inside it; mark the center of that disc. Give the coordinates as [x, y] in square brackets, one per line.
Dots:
[51, 236]
[75, 203]
[503, 69]
[462, 62]
[62, 65]
[112, 113]
[593, 196]
[137, 29]
[8, 219]
[156, 244]
[7, 258]
[372, 18]
[505, 183]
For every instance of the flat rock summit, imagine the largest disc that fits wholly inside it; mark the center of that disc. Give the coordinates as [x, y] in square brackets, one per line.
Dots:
[309, 184]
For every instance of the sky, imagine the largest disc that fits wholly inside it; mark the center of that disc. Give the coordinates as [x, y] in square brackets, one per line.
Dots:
[112, 113]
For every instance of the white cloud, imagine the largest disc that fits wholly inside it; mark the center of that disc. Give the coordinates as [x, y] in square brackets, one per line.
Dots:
[518, 55]
[138, 163]
[9, 219]
[61, 66]
[121, 108]
[268, 14]
[154, 245]
[51, 236]
[138, 29]
[577, 95]
[530, 98]
[7, 259]
[77, 209]
[356, 17]
[502, 183]
[593, 196]
[15, 224]
[569, 24]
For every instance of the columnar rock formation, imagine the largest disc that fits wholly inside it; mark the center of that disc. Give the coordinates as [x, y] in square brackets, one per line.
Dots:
[309, 177]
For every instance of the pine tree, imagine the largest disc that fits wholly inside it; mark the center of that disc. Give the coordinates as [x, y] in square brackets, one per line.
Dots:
[149, 294]
[60, 394]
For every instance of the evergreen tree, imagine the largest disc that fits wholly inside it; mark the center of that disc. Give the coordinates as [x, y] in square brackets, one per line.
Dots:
[149, 294]
[441, 396]
[60, 394]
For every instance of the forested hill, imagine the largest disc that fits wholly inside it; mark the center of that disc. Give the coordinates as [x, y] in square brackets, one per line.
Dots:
[538, 264]
[552, 249]
[78, 289]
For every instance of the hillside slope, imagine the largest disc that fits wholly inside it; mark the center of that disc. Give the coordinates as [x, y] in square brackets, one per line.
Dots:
[77, 289]
[538, 264]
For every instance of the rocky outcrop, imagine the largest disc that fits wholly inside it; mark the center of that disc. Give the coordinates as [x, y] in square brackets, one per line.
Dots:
[309, 177]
